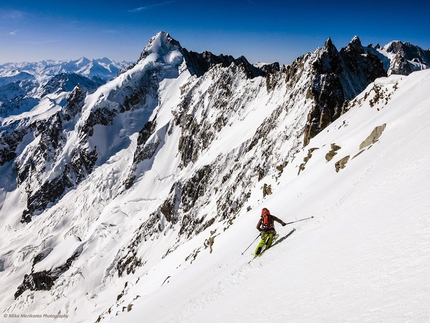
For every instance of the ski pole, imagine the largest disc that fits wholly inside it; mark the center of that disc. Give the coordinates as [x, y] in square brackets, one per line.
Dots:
[299, 220]
[250, 244]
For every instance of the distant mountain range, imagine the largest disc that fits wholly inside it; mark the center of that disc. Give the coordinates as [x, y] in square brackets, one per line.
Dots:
[22, 85]
[103, 68]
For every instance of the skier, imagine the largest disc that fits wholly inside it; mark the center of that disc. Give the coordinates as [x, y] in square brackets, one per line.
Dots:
[266, 226]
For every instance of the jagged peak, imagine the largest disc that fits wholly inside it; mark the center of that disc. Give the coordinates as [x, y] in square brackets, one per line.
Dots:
[200, 63]
[330, 48]
[393, 46]
[355, 45]
[328, 43]
[397, 46]
[355, 40]
[161, 44]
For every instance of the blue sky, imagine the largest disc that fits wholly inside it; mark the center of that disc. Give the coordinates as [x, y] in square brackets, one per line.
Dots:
[265, 31]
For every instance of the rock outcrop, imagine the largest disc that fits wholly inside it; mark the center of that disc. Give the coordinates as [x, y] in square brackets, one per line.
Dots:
[339, 76]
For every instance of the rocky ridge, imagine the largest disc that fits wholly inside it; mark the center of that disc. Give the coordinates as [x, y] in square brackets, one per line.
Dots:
[401, 58]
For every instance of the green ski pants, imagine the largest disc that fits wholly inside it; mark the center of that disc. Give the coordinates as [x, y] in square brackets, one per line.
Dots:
[266, 240]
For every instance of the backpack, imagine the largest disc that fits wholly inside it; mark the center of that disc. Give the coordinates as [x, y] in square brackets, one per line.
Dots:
[267, 221]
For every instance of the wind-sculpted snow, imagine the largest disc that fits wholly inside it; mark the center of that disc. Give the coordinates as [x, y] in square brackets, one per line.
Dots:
[156, 168]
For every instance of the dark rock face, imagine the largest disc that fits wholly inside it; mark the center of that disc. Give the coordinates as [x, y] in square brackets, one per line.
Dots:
[410, 52]
[143, 151]
[75, 102]
[82, 163]
[362, 67]
[50, 144]
[169, 208]
[339, 76]
[49, 192]
[128, 263]
[183, 196]
[45, 280]
[406, 58]
[400, 65]
[200, 63]
[67, 82]
[37, 281]
[100, 116]
[193, 139]
[10, 138]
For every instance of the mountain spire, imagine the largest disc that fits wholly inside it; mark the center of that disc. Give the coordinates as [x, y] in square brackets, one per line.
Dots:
[328, 43]
[355, 44]
[160, 44]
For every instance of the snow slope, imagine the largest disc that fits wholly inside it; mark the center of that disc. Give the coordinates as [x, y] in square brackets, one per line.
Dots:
[363, 258]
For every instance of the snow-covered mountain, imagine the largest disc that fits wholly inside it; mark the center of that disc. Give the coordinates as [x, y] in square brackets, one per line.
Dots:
[22, 85]
[401, 58]
[137, 198]
[103, 68]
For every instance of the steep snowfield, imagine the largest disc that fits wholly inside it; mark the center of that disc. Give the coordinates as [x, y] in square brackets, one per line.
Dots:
[364, 256]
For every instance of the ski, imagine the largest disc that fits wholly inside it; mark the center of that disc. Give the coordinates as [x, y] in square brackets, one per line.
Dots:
[275, 242]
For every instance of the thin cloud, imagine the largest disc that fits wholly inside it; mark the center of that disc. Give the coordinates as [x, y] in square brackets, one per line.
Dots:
[151, 6]
[39, 42]
[12, 14]
[13, 33]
